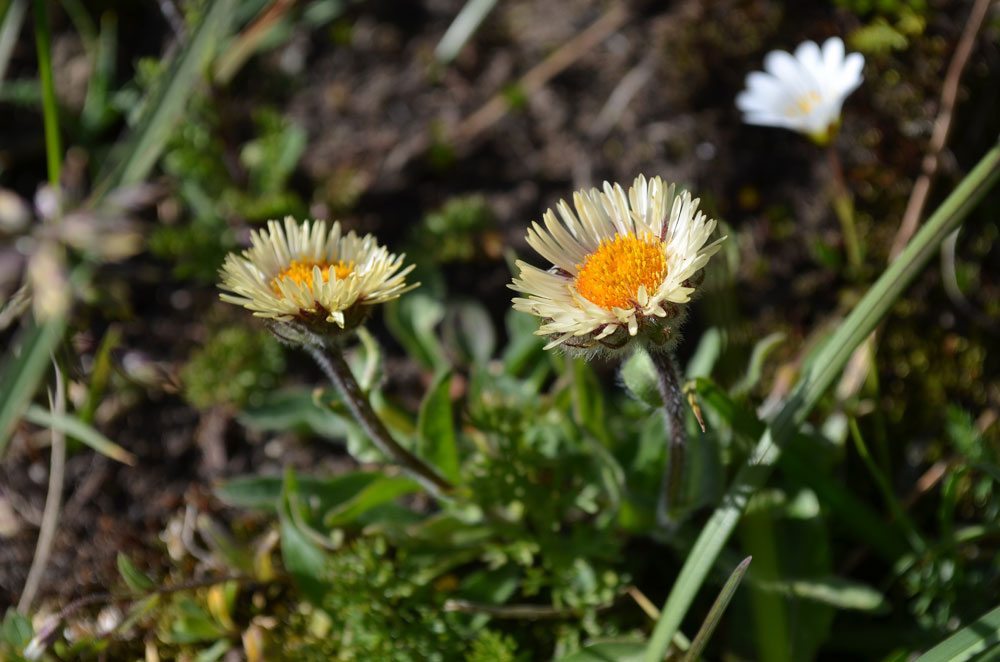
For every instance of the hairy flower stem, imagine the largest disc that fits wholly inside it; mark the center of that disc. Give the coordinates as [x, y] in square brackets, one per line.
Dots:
[672, 392]
[331, 360]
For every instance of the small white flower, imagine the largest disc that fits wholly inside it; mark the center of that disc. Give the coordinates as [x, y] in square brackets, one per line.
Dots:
[803, 93]
[304, 272]
[623, 265]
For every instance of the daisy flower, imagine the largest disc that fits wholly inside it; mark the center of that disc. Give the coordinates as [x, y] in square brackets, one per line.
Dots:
[624, 265]
[308, 273]
[803, 92]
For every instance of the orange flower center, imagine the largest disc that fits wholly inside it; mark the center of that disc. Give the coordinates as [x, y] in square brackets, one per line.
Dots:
[804, 104]
[301, 271]
[610, 276]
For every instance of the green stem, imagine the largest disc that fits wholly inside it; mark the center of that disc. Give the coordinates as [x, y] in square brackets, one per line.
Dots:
[50, 112]
[332, 362]
[895, 507]
[843, 206]
[817, 377]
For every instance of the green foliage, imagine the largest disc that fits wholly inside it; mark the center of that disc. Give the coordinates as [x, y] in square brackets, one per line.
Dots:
[454, 233]
[218, 187]
[236, 367]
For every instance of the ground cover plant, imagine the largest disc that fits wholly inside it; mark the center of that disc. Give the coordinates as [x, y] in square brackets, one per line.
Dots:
[499, 330]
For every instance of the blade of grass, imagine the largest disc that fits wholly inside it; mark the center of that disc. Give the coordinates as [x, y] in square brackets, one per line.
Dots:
[169, 102]
[715, 613]
[817, 377]
[22, 373]
[11, 20]
[973, 639]
[50, 112]
[913, 536]
[74, 427]
[464, 26]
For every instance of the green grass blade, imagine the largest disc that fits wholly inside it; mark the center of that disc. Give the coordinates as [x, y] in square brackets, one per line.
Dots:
[462, 28]
[971, 640]
[22, 373]
[11, 20]
[50, 112]
[715, 613]
[819, 375]
[170, 101]
[80, 431]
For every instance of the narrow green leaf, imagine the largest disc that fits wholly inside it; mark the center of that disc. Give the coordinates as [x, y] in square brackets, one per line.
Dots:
[755, 368]
[412, 320]
[436, 429]
[80, 431]
[799, 468]
[608, 651]
[22, 373]
[11, 20]
[136, 579]
[834, 591]
[263, 492]
[376, 493]
[170, 101]
[302, 557]
[50, 111]
[715, 613]
[973, 639]
[468, 20]
[817, 377]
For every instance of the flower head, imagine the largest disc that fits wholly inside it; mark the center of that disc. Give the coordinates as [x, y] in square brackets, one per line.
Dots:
[624, 265]
[306, 273]
[803, 92]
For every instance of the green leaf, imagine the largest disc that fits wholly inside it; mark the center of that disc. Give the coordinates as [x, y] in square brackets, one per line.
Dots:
[412, 320]
[755, 367]
[798, 466]
[834, 591]
[303, 559]
[469, 329]
[21, 373]
[971, 640]
[80, 431]
[323, 494]
[436, 429]
[640, 378]
[816, 379]
[214, 652]
[608, 651]
[136, 579]
[376, 493]
[715, 613]
[16, 629]
[170, 101]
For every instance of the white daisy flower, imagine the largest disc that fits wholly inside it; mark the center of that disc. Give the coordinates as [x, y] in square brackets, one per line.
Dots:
[306, 273]
[803, 92]
[623, 266]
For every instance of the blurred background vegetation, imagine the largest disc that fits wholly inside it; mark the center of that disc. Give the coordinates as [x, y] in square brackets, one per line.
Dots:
[445, 128]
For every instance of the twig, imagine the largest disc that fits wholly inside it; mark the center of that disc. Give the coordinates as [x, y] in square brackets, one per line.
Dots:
[494, 109]
[491, 112]
[332, 362]
[942, 126]
[50, 516]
